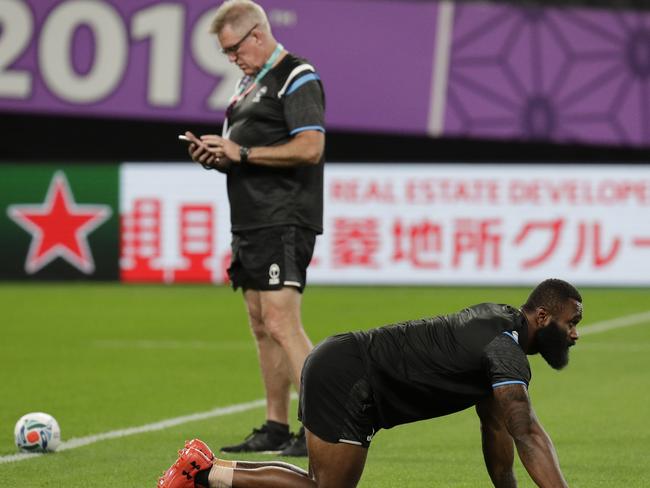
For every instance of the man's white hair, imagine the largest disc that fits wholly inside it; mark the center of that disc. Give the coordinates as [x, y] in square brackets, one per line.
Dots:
[240, 15]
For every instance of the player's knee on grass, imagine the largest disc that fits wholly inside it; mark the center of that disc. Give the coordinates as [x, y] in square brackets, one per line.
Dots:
[335, 465]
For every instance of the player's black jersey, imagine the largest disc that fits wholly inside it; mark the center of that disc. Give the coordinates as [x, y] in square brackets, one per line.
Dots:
[436, 366]
[289, 99]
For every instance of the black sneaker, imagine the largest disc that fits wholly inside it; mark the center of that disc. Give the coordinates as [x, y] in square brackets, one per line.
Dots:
[264, 440]
[297, 446]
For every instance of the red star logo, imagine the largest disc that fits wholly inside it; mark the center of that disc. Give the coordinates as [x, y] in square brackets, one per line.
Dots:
[59, 227]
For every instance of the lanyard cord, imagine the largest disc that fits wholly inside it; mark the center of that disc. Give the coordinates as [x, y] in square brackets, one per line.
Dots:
[244, 87]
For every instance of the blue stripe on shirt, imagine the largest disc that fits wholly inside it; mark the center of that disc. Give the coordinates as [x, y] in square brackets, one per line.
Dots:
[511, 382]
[301, 81]
[307, 127]
[509, 334]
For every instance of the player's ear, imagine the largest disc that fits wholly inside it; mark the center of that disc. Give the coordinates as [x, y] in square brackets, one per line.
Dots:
[542, 316]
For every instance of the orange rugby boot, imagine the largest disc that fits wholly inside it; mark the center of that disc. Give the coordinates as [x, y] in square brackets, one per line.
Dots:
[181, 474]
[201, 446]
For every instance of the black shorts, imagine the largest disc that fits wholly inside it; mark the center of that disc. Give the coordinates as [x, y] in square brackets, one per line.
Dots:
[271, 258]
[335, 397]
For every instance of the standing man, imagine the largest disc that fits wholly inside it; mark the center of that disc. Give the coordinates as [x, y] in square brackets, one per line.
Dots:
[271, 150]
[358, 383]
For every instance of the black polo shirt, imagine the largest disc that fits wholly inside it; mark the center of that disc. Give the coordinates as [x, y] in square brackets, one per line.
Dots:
[436, 366]
[289, 99]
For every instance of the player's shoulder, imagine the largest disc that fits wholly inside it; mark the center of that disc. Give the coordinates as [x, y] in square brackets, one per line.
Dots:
[508, 340]
[479, 324]
[500, 315]
[293, 67]
[292, 61]
[294, 72]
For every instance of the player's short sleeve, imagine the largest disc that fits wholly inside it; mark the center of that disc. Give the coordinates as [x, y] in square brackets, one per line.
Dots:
[304, 103]
[505, 362]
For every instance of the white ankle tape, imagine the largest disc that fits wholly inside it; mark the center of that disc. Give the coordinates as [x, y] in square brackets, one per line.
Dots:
[220, 477]
[225, 463]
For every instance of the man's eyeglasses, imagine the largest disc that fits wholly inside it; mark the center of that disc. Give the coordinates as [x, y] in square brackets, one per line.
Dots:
[235, 47]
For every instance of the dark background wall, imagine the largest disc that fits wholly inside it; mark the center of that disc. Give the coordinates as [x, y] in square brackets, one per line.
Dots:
[55, 138]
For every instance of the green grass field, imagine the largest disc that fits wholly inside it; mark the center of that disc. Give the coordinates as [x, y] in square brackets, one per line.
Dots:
[107, 357]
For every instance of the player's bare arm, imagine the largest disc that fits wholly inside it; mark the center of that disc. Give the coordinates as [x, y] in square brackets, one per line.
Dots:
[534, 446]
[498, 447]
[305, 148]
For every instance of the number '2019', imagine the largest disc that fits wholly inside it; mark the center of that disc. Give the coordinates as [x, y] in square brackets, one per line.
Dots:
[162, 25]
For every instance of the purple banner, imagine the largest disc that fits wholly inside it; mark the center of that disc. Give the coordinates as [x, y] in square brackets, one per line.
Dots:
[469, 70]
[552, 74]
[157, 60]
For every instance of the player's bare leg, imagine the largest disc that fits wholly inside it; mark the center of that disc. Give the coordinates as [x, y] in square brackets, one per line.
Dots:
[264, 464]
[276, 373]
[227, 474]
[282, 320]
[197, 466]
[332, 466]
[335, 465]
[268, 477]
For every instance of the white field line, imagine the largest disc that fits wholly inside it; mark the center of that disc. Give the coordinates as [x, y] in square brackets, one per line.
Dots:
[596, 328]
[163, 424]
[605, 325]
[151, 344]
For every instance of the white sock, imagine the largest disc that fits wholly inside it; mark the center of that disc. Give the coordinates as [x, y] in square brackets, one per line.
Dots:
[221, 477]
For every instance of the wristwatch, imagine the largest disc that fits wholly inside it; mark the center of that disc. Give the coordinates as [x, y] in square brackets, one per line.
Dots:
[243, 154]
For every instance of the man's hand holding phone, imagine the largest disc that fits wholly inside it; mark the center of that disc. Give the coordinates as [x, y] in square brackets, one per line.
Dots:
[199, 152]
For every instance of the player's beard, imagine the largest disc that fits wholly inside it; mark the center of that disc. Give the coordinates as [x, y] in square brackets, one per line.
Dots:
[553, 345]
